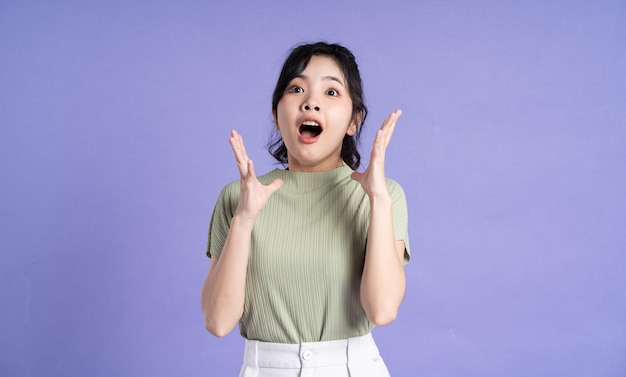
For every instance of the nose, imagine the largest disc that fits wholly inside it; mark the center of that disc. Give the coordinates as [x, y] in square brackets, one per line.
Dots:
[307, 107]
[311, 103]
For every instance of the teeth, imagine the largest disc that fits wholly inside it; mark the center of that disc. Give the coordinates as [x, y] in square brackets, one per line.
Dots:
[310, 128]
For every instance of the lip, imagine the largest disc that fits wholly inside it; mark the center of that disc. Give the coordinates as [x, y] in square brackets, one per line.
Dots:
[308, 139]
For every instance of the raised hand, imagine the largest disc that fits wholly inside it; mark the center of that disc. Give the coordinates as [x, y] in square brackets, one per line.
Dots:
[253, 194]
[373, 178]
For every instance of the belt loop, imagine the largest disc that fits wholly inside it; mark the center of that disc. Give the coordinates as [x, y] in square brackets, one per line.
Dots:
[256, 357]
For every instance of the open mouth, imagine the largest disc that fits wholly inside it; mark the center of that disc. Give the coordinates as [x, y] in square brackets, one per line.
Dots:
[310, 129]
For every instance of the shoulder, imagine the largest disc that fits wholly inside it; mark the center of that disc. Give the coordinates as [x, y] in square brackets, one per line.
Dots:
[230, 190]
[394, 187]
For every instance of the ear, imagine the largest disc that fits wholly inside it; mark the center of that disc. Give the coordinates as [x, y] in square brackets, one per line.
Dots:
[351, 129]
[355, 124]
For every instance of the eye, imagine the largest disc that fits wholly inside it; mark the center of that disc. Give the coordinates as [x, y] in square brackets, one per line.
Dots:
[295, 89]
[332, 92]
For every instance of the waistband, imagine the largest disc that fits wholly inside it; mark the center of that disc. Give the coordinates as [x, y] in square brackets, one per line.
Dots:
[310, 355]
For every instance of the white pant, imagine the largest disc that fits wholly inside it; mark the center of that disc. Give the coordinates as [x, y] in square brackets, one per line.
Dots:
[352, 357]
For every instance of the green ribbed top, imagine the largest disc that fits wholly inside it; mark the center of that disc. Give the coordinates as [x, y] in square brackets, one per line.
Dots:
[306, 255]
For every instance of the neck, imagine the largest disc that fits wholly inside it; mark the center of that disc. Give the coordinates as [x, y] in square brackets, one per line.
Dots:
[295, 166]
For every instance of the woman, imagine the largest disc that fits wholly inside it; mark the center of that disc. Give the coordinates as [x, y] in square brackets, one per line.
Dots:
[309, 259]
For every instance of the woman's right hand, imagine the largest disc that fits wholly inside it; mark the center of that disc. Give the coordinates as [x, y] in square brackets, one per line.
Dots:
[253, 194]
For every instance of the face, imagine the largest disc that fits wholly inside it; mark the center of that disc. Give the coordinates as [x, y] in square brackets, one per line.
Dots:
[314, 115]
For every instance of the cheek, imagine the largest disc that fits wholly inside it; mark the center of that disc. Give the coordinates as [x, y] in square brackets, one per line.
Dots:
[343, 115]
[282, 114]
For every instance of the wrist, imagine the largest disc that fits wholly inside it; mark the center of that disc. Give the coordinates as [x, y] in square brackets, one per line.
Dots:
[242, 220]
[381, 199]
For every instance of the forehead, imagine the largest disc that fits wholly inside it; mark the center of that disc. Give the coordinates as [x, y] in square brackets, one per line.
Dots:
[320, 66]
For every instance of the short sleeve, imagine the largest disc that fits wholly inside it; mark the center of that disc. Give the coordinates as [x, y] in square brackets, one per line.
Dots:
[221, 219]
[400, 216]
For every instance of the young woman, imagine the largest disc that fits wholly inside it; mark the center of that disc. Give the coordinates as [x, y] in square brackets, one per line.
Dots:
[310, 258]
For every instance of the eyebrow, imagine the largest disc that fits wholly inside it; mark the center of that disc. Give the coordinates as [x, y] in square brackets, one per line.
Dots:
[325, 78]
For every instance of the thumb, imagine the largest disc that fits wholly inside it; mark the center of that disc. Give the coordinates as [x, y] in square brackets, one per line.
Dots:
[357, 176]
[275, 185]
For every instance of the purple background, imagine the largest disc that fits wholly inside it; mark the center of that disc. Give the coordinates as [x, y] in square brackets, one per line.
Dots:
[512, 151]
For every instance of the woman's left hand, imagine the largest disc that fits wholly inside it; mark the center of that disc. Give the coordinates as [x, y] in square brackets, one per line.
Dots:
[373, 178]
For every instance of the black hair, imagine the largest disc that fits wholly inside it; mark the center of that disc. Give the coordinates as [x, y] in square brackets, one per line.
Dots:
[294, 65]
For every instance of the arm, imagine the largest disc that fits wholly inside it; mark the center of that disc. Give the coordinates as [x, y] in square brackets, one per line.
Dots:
[223, 293]
[383, 282]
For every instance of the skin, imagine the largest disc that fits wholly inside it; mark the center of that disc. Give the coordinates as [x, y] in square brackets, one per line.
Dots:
[320, 94]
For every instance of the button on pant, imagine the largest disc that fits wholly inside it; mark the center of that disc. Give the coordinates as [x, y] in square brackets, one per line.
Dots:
[352, 357]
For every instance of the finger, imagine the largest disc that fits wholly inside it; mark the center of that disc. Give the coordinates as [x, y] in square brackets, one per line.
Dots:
[249, 179]
[357, 176]
[378, 150]
[390, 118]
[381, 135]
[390, 122]
[250, 166]
[241, 157]
[238, 145]
[389, 126]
